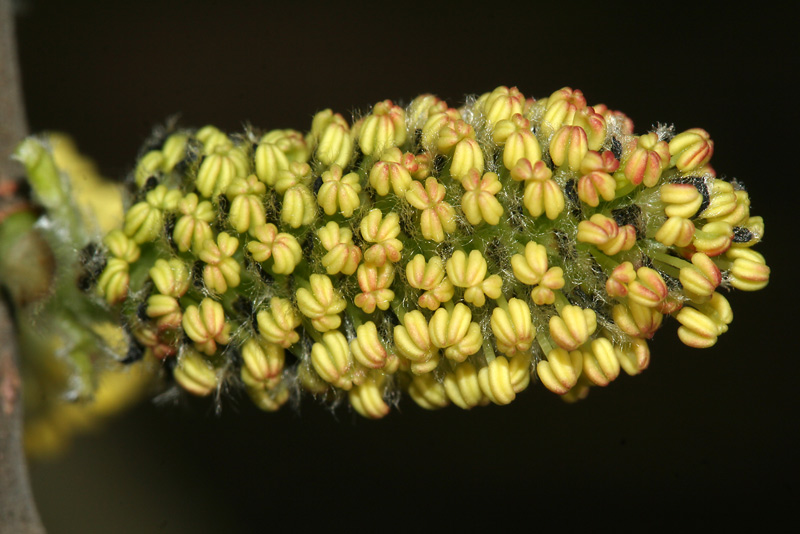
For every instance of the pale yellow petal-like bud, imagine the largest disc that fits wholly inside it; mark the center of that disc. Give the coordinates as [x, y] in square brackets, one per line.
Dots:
[290, 142]
[219, 169]
[121, 246]
[512, 328]
[435, 123]
[427, 392]
[263, 363]
[568, 147]
[502, 103]
[479, 202]
[335, 145]
[171, 277]
[635, 358]
[193, 228]
[467, 155]
[455, 333]
[321, 303]
[422, 107]
[367, 348]
[332, 360]
[530, 267]
[270, 161]
[572, 327]
[384, 128]
[221, 270]
[600, 363]
[145, 220]
[544, 197]
[463, 388]
[374, 283]
[296, 174]
[502, 379]
[148, 166]
[299, 206]
[691, 149]
[622, 275]
[321, 121]
[722, 201]
[594, 124]
[174, 150]
[424, 275]
[647, 161]
[594, 185]
[165, 309]
[648, 289]
[441, 293]
[195, 374]
[367, 398]
[114, 280]
[343, 256]
[749, 271]
[740, 212]
[412, 338]
[383, 231]
[714, 238]
[339, 192]
[605, 234]
[561, 107]
[560, 371]
[247, 208]
[702, 277]
[518, 140]
[277, 323]
[702, 325]
[212, 137]
[308, 378]
[386, 176]
[206, 325]
[283, 248]
[676, 231]
[469, 273]
[682, 200]
[452, 133]
[269, 399]
[637, 320]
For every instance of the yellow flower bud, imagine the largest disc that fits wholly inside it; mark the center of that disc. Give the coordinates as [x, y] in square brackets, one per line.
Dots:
[647, 161]
[713, 238]
[262, 363]
[367, 348]
[374, 283]
[388, 174]
[339, 192]
[270, 161]
[634, 358]
[206, 325]
[222, 270]
[561, 107]
[600, 364]
[681, 199]
[383, 231]
[702, 325]
[195, 374]
[572, 327]
[219, 169]
[622, 275]
[121, 246]
[463, 388]
[648, 289]
[335, 145]
[322, 303]
[384, 128]
[605, 234]
[166, 310]
[568, 147]
[438, 217]
[691, 149]
[637, 320]
[594, 125]
[702, 277]
[277, 323]
[436, 123]
[290, 142]
[427, 392]
[297, 174]
[283, 248]
[148, 166]
[518, 140]
[171, 277]
[413, 340]
[144, 221]
[343, 256]
[479, 202]
[269, 399]
[560, 371]
[501, 380]
[749, 271]
[174, 150]
[455, 333]
[501, 104]
[676, 231]
[470, 274]
[193, 229]
[467, 155]
[367, 398]
[114, 280]
[247, 208]
[299, 206]
[332, 360]
[512, 328]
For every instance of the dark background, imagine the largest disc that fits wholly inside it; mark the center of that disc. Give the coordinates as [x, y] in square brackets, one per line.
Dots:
[701, 431]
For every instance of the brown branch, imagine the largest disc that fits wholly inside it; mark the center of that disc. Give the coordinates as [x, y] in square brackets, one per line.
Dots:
[18, 512]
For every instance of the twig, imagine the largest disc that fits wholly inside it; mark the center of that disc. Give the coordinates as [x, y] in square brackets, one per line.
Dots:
[18, 512]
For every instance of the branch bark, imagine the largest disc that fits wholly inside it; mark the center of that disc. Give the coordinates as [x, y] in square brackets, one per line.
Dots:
[18, 512]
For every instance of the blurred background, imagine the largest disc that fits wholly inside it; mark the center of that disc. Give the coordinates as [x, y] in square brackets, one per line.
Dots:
[710, 431]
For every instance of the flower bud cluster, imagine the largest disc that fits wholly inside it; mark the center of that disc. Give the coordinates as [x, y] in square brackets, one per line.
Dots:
[457, 254]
